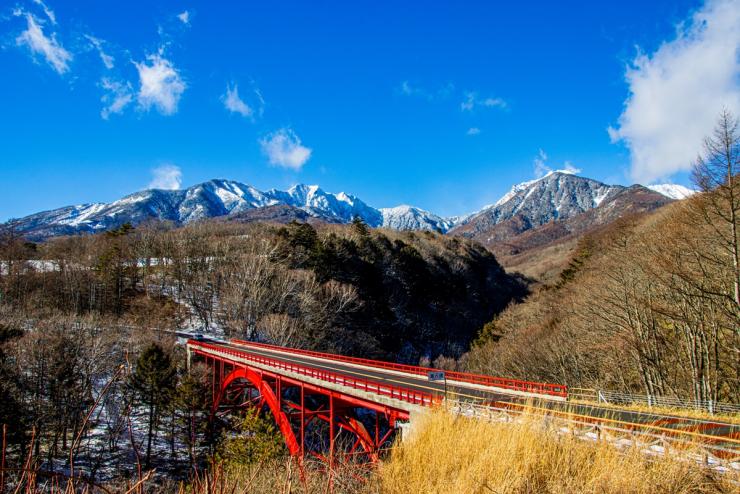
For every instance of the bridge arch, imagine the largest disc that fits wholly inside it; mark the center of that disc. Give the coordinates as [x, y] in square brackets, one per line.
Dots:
[269, 396]
[337, 419]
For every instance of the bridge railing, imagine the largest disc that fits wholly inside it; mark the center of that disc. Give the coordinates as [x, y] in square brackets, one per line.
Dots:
[395, 392]
[548, 389]
[727, 446]
[618, 398]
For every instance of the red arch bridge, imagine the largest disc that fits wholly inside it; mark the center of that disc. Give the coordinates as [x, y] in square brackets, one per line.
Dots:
[324, 403]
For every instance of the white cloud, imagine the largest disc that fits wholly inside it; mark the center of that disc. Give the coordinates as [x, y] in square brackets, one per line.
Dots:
[234, 103]
[472, 100]
[283, 148]
[161, 85]
[261, 109]
[49, 13]
[569, 168]
[677, 92]
[540, 164]
[167, 177]
[493, 102]
[542, 168]
[48, 46]
[184, 17]
[97, 44]
[118, 96]
[473, 131]
[408, 89]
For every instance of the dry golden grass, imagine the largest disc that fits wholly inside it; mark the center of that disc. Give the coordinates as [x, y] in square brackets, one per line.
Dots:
[447, 454]
[281, 476]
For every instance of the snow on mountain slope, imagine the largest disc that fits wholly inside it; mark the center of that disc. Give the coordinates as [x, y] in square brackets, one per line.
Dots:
[339, 208]
[513, 192]
[673, 191]
[406, 217]
[219, 198]
[557, 195]
[80, 214]
[207, 200]
[520, 187]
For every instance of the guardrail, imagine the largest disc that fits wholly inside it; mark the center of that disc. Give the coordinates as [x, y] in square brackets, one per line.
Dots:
[395, 392]
[498, 382]
[723, 445]
[616, 398]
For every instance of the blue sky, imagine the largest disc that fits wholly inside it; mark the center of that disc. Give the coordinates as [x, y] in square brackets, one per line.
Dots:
[439, 105]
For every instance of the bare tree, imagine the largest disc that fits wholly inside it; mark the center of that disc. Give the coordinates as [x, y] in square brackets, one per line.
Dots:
[716, 171]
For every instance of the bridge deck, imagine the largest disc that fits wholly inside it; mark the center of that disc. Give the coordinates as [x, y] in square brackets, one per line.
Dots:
[460, 385]
[393, 375]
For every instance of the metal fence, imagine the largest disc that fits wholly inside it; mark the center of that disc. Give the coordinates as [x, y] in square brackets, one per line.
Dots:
[718, 452]
[616, 398]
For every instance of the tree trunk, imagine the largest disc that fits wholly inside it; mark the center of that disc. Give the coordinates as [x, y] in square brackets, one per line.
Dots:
[149, 433]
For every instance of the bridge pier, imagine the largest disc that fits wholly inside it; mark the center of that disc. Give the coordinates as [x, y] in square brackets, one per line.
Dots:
[303, 420]
[331, 431]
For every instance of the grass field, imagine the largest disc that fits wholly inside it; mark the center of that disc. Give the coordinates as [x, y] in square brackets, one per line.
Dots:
[448, 454]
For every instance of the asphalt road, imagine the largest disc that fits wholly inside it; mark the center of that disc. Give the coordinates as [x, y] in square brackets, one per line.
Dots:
[410, 381]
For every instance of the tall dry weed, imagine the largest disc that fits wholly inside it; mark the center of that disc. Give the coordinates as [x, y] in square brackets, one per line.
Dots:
[446, 454]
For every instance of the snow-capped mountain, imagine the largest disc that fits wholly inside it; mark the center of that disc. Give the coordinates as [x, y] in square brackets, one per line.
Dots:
[406, 217]
[557, 195]
[542, 219]
[217, 198]
[673, 191]
[338, 208]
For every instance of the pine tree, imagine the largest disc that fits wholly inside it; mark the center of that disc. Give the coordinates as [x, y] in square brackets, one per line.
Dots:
[360, 227]
[154, 383]
[192, 406]
[255, 439]
[13, 413]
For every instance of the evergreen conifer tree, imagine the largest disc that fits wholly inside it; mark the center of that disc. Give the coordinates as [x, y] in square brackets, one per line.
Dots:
[154, 383]
[13, 414]
[192, 406]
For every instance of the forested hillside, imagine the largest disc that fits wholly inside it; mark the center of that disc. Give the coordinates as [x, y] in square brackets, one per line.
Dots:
[89, 319]
[646, 305]
[349, 289]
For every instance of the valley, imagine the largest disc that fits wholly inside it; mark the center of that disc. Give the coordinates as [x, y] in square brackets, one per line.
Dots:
[377, 248]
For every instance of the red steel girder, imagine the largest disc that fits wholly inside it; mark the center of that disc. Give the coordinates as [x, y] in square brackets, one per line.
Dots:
[336, 412]
[272, 400]
[390, 412]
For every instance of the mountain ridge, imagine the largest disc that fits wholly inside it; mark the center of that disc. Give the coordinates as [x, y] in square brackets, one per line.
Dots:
[557, 195]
